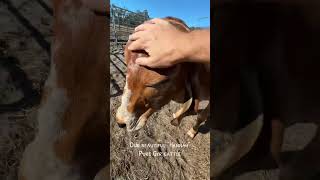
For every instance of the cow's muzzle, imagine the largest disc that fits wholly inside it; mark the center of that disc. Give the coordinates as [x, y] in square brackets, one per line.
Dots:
[121, 125]
[138, 123]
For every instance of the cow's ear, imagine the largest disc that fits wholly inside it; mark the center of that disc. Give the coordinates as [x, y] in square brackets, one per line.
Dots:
[170, 72]
[156, 77]
[153, 79]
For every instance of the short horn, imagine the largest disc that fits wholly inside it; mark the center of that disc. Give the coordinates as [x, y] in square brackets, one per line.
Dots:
[243, 140]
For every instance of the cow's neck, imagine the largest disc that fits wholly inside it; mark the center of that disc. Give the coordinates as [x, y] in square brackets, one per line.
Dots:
[79, 64]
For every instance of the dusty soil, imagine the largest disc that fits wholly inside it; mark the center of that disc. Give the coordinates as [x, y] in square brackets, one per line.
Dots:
[25, 35]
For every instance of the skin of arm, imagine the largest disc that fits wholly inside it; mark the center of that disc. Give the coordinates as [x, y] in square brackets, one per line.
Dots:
[166, 45]
[199, 48]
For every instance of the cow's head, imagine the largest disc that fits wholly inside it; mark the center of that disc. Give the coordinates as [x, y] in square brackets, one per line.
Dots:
[148, 89]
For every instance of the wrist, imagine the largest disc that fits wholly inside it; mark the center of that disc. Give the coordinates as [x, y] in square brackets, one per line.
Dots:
[185, 47]
[197, 48]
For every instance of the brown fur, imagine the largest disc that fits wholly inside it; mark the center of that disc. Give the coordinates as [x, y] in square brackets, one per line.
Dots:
[81, 67]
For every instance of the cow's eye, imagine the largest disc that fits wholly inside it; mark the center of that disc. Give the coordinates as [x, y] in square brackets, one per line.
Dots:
[147, 105]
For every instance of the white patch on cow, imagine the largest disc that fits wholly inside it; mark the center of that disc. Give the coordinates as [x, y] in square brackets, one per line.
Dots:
[122, 112]
[39, 160]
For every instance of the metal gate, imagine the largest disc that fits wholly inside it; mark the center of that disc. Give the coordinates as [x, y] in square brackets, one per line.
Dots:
[123, 23]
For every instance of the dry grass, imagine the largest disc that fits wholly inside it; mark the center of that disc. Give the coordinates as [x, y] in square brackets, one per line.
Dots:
[127, 164]
[17, 128]
[16, 131]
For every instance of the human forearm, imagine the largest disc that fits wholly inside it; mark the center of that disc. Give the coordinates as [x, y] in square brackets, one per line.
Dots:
[197, 48]
[166, 45]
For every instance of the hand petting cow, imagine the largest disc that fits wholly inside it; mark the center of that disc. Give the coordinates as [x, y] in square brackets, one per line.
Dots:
[148, 89]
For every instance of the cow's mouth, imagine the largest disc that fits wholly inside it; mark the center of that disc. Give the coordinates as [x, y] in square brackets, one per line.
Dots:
[138, 123]
[131, 126]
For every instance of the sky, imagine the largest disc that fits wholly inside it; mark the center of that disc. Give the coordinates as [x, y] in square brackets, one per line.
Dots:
[196, 13]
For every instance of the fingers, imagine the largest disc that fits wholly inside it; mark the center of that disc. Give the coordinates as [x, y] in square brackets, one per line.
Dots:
[135, 36]
[144, 61]
[158, 21]
[136, 45]
[151, 62]
[143, 27]
[149, 24]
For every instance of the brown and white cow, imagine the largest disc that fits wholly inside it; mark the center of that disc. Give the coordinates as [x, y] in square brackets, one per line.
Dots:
[72, 139]
[147, 90]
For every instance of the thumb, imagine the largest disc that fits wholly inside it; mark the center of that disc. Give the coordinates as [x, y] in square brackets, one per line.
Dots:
[144, 61]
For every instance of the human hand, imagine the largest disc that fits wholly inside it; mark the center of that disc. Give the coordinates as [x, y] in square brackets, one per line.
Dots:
[163, 42]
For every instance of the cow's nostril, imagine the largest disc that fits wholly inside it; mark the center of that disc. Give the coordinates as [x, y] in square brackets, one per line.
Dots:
[121, 125]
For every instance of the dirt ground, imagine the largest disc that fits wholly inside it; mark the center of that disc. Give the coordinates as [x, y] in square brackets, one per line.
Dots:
[25, 35]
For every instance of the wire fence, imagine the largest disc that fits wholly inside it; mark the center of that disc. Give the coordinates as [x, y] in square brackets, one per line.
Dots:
[123, 22]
